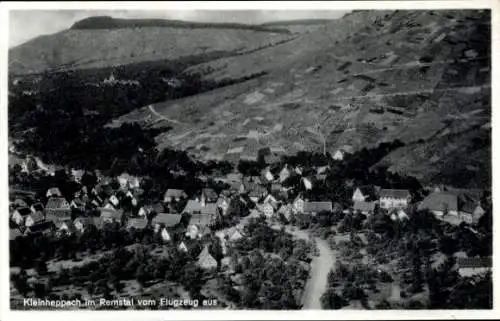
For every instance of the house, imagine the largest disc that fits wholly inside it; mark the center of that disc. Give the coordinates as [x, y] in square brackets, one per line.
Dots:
[234, 235]
[472, 214]
[165, 220]
[399, 215]
[394, 198]
[469, 208]
[321, 177]
[134, 182]
[109, 206]
[267, 176]
[286, 210]
[268, 209]
[19, 203]
[182, 247]
[53, 192]
[364, 207]
[114, 200]
[20, 214]
[284, 173]
[44, 228]
[131, 196]
[137, 223]
[37, 207]
[110, 216]
[65, 226]
[298, 204]
[322, 169]
[195, 207]
[58, 206]
[144, 211]
[209, 195]
[313, 208]
[83, 223]
[471, 266]
[440, 203]
[338, 155]
[307, 183]
[174, 194]
[255, 192]
[77, 204]
[199, 225]
[123, 180]
[34, 218]
[277, 188]
[206, 260]
[14, 233]
[165, 236]
[77, 175]
[223, 204]
[234, 177]
[270, 199]
[237, 187]
[358, 195]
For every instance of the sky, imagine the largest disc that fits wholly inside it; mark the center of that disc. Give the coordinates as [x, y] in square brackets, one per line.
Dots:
[28, 24]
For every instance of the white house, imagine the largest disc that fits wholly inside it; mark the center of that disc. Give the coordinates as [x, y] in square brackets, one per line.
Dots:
[33, 219]
[268, 209]
[114, 200]
[471, 266]
[307, 183]
[53, 192]
[268, 175]
[182, 247]
[339, 155]
[358, 196]
[298, 204]
[284, 173]
[20, 214]
[133, 200]
[394, 198]
[223, 204]
[165, 235]
[270, 199]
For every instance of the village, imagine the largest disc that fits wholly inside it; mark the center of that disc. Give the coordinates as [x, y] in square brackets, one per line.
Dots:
[217, 230]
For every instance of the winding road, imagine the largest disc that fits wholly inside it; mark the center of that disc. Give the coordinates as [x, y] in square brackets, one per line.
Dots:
[318, 275]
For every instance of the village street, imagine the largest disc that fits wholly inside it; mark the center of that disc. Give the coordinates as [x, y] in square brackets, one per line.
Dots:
[318, 275]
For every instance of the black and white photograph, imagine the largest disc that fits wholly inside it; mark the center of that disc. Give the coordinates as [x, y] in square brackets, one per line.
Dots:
[249, 159]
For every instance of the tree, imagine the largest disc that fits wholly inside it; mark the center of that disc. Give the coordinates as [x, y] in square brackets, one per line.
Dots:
[416, 271]
[332, 301]
[21, 282]
[191, 279]
[41, 267]
[142, 275]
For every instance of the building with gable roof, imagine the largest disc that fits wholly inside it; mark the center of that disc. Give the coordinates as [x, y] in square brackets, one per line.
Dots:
[174, 195]
[58, 206]
[471, 266]
[313, 208]
[206, 260]
[394, 198]
[20, 214]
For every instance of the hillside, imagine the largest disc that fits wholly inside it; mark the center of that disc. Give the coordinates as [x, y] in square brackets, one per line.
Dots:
[422, 77]
[83, 47]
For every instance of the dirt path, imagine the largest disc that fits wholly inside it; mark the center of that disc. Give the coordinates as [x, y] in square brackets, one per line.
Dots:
[320, 267]
[154, 112]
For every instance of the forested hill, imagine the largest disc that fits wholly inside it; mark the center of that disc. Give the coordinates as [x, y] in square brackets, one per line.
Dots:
[106, 22]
